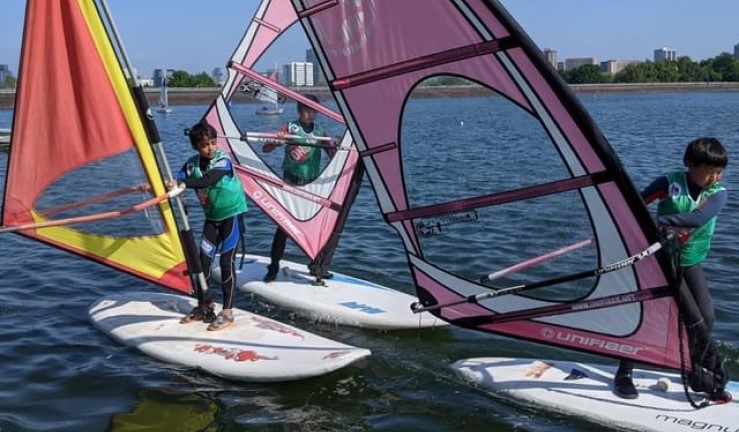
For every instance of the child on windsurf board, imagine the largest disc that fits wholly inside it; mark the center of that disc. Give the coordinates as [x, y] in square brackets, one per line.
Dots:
[689, 203]
[221, 194]
[301, 165]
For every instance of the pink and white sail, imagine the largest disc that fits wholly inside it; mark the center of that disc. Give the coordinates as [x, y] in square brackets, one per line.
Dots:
[311, 213]
[376, 53]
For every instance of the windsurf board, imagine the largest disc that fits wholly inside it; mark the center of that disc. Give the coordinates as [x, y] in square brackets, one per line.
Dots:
[586, 391]
[343, 300]
[254, 348]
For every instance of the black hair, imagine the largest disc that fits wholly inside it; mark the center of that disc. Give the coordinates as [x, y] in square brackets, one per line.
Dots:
[302, 106]
[706, 151]
[201, 131]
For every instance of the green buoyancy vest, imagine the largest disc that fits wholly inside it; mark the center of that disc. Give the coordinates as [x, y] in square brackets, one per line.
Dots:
[678, 200]
[223, 199]
[301, 161]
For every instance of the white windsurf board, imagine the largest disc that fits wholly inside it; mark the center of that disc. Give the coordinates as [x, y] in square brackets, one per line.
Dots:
[254, 348]
[586, 391]
[343, 300]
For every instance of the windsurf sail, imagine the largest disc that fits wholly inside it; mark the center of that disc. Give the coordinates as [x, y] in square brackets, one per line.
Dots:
[82, 175]
[536, 176]
[164, 96]
[273, 100]
[312, 215]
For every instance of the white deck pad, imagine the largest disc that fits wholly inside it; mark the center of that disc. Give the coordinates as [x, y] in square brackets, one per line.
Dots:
[586, 391]
[254, 348]
[343, 300]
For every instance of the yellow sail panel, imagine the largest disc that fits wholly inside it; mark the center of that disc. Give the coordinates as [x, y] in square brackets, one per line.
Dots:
[78, 136]
[167, 244]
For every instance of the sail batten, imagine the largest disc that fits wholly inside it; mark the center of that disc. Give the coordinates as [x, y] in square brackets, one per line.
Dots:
[499, 198]
[452, 55]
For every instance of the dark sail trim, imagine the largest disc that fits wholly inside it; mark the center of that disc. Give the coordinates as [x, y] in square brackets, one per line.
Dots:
[379, 149]
[500, 198]
[318, 7]
[425, 62]
[565, 308]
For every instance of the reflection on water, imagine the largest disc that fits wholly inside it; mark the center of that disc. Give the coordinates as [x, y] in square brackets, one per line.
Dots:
[168, 410]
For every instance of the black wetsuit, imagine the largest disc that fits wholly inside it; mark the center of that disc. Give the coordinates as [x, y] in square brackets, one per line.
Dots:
[225, 232]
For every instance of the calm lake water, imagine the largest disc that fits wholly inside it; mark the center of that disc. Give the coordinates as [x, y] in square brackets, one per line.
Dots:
[59, 373]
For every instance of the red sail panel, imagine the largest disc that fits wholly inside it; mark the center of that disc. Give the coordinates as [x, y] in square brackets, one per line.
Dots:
[78, 139]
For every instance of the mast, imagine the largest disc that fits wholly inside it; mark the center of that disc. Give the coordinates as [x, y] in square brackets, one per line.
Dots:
[188, 239]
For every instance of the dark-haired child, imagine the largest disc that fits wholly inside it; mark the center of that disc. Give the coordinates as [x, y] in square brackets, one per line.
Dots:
[301, 165]
[689, 203]
[221, 194]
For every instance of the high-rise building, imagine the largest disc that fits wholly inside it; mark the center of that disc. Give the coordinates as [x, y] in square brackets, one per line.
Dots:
[159, 76]
[298, 74]
[574, 63]
[4, 73]
[615, 66]
[664, 53]
[736, 51]
[551, 56]
[318, 78]
[218, 76]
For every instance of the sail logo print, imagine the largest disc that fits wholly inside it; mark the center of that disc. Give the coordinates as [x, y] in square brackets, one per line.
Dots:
[436, 226]
[234, 354]
[274, 210]
[351, 35]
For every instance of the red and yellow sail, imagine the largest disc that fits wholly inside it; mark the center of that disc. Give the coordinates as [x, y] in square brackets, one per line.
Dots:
[78, 135]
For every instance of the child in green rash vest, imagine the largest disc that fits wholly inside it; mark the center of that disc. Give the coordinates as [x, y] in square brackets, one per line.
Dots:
[301, 165]
[221, 195]
[689, 203]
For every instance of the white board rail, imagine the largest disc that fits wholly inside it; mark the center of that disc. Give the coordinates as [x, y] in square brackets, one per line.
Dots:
[586, 391]
[254, 348]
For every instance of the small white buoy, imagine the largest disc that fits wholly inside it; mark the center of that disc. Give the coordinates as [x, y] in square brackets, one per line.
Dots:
[663, 384]
[461, 122]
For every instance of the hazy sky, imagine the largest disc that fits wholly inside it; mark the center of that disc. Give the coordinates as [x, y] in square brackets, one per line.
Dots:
[198, 35]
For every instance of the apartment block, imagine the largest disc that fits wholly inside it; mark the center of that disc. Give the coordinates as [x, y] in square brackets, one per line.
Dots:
[664, 53]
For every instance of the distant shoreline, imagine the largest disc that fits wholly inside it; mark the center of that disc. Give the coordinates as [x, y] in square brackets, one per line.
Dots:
[204, 96]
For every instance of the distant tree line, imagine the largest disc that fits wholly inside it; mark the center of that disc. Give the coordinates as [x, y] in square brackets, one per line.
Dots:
[178, 78]
[8, 82]
[722, 68]
[181, 78]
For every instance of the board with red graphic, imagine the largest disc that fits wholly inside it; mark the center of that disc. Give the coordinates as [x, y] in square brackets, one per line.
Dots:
[254, 348]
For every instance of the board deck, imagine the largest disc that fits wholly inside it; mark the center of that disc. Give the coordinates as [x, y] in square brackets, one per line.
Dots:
[343, 300]
[586, 390]
[254, 348]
